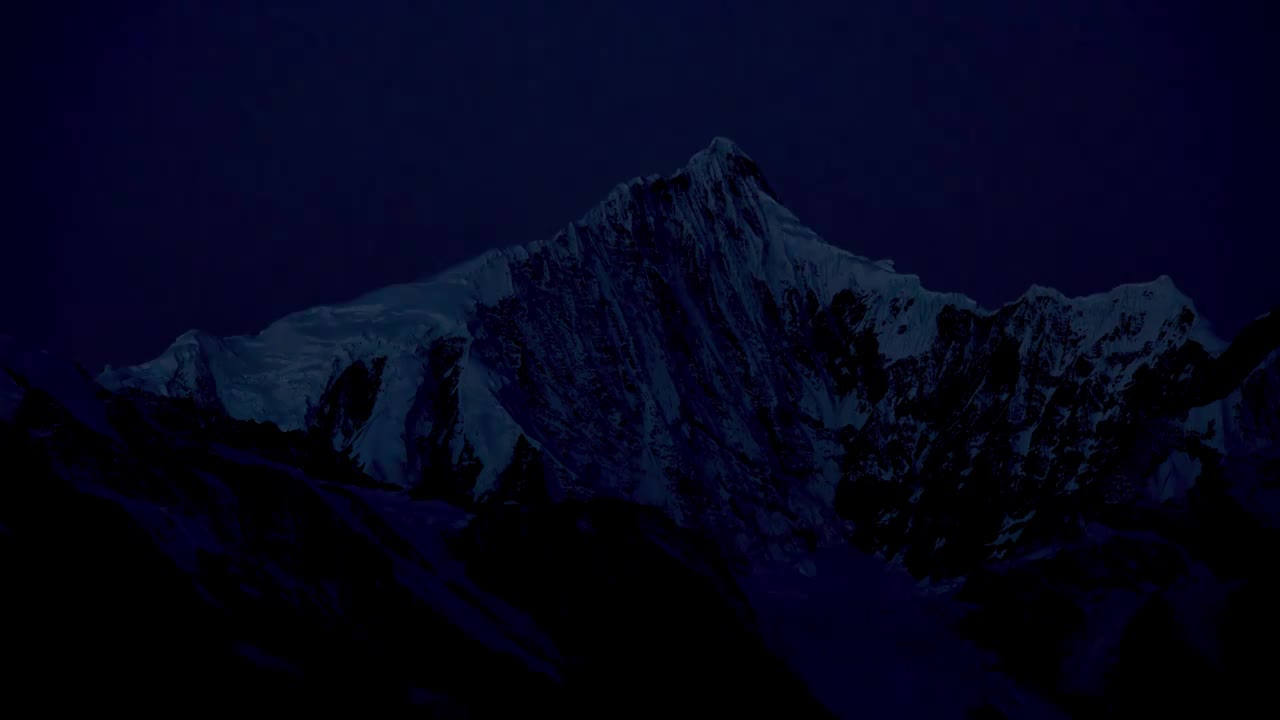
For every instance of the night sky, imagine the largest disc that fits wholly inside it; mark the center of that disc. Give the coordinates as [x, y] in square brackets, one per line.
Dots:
[219, 164]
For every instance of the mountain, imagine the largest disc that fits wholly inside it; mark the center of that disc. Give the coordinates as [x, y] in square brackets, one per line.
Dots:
[688, 389]
[689, 344]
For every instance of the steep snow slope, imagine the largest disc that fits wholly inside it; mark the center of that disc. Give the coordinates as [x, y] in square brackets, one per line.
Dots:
[690, 344]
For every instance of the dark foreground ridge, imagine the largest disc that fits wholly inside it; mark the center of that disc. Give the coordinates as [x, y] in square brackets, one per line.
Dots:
[190, 560]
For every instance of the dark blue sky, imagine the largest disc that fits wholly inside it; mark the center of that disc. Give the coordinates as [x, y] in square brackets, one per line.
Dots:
[216, 164]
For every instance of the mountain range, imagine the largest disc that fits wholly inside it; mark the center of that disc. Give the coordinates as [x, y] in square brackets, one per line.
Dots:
[688, 421]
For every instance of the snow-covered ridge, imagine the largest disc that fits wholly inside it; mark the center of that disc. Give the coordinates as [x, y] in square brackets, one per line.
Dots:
[439, 303]
[272, 375]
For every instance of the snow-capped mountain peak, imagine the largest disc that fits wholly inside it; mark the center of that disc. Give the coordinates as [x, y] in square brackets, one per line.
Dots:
[690, 344]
